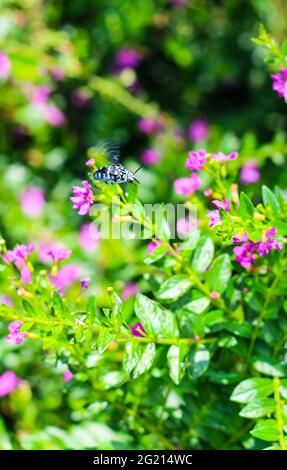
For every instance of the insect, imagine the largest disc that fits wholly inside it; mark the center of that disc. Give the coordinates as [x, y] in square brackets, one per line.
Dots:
[116, 172]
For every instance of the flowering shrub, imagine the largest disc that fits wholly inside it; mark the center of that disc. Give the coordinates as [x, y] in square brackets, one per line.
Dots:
[164, 340]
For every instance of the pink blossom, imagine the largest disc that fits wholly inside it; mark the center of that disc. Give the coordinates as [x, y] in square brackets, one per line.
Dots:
[15, 336]
[38, 95]
[58, 74]
[150, 157]
[58, 253]
[83, 198]
[5, 65]
[89, 237]
[65, 276]
[19, 257]
[196, 338]
[85, 282]
[184, 226]
[90, 163]
[130, 290]
[243, 238]
[32, 201]
[152, 246]
[214, 295]
[137, 330]
[127, 58]
[196, 160]
[187, 186]
[53, 115]
[225, 204]
[8, 382]
[249, 172]
[220, 156]
[79, 99]
[6, 300]
[279, 83]
[179, 3]
[67, 375]
[198, 131]
[249, 251]
[149, 126]
[214, 217]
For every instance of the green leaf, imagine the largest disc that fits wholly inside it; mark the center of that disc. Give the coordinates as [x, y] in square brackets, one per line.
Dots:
[156, 255]
[203, 254]
[174, 287]
[104, 339]
[58, 305]
[29, 309]
[132, 355]
[250, 389]
[270, 200]
[246, 207]
[93, 314]
[268, 366]
[258, 408]
[197, 305]
[175, 361]
[146, 360]
[219, 274]
[266, 430]
[156, 320]
[200, 362]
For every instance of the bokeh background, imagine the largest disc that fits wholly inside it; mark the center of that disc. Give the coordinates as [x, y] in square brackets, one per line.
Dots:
[76, 72]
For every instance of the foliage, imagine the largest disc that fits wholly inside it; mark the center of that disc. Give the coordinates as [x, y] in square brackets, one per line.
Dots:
[165, 342]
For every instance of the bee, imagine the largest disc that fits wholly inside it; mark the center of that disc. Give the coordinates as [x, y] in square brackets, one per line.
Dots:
[115, 173]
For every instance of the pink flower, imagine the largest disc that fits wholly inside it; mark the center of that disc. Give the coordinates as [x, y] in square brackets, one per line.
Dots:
[32, 201]
[196, 338]
[15, 336]
[243, 238]
[58, 253]
[196, 160]
[214, 295]
[58, 74]
[149, 126]
[85, 282]
[137, 330]
[127, 58]
[5, 65]
[67, 375]
[53, 115]
[279, 83]
[83, 198]
[8, 382]
[198, 131]
[90, 163]
[214, 217]
[89, 237]
[150, 157]
[38, 95]
[130, 290]
[19, 257]
[184, 226]
[248, 252]
[225, 204]
[179, 3]
[220, 156]
[187, 186]
[65, 276]
[79, 99]
[6, 300]
[249, 172]
[152, 246]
